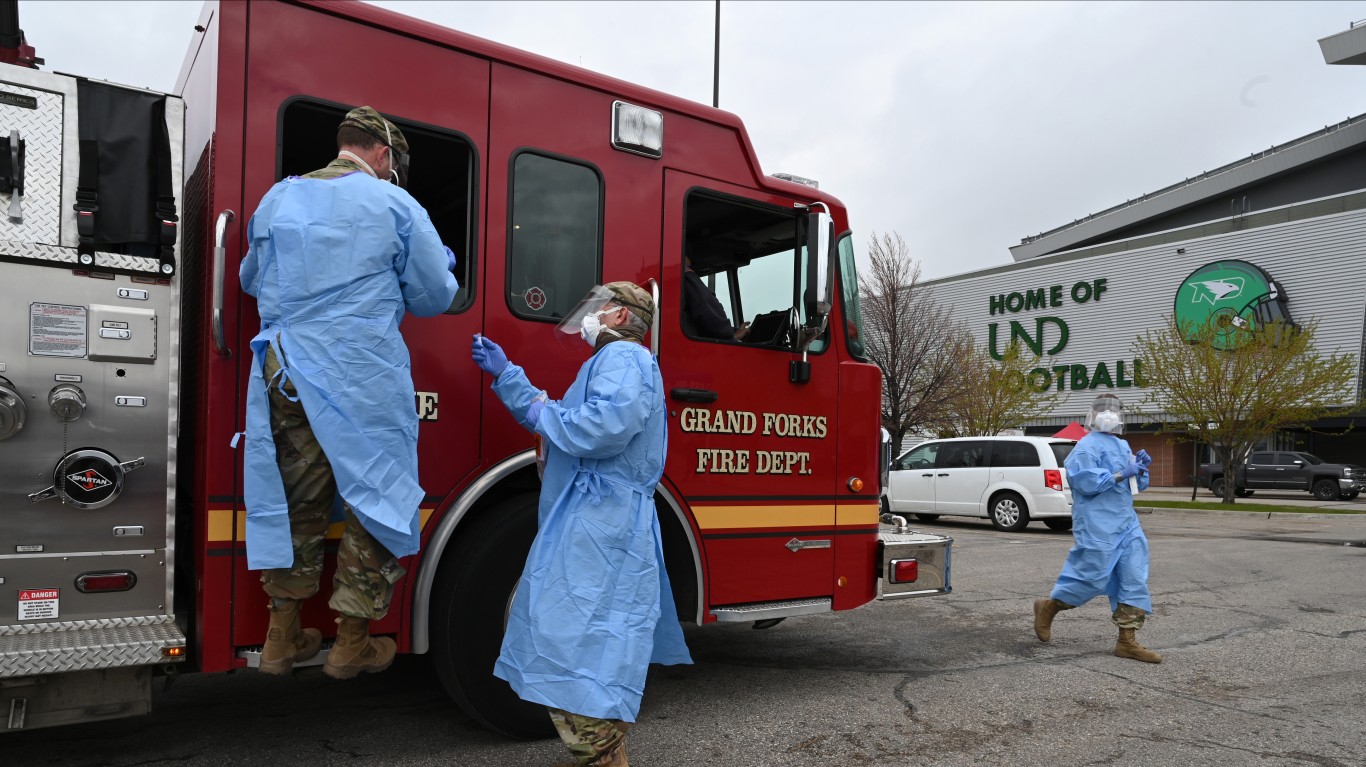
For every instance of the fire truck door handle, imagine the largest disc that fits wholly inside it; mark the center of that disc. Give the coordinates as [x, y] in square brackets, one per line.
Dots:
[220, 257]
[694, 395]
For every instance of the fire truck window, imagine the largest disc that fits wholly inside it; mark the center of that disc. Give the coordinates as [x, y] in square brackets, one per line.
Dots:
[555, 242]
[441, 177]
[750, 252]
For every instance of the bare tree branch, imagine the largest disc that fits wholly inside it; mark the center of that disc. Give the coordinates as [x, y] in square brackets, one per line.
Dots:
[910, 337]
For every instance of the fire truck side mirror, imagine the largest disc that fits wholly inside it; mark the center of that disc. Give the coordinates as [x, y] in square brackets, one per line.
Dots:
[820, 265]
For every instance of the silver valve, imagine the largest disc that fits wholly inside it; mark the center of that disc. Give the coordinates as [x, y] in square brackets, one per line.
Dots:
[67, 402]
[12, 410]
[88, 479]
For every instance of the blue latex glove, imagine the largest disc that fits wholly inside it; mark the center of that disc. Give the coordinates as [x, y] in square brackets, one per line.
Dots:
[1143, 459]
[489, 356]
[533, 412]
[450, 259]
[1132, 470]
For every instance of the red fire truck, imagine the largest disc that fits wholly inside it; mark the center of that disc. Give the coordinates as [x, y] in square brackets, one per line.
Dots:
[124, 358]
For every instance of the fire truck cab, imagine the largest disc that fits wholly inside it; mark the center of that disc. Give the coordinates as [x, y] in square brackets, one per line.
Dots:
[124, 360]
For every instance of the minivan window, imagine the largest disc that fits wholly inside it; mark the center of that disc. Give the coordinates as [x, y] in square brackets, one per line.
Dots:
[962, 455]
[1061, 450]
[920, 458]
[1007, 454]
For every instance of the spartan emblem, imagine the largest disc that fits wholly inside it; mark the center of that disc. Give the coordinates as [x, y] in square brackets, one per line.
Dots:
[1213, 291]
[88, 480]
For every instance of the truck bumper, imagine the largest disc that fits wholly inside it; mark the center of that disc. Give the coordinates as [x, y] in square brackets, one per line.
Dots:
[913, 564]
[81, 671]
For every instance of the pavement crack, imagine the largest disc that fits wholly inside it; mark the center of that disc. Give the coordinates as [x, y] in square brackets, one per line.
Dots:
[1298, 756]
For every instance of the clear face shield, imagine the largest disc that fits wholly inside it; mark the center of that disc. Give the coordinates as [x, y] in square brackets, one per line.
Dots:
[592, 305]
[1107, 415]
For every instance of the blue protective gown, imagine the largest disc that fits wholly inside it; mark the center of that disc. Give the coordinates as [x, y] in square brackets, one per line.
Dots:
[593, 608]
[334, 264]
[1110, 553]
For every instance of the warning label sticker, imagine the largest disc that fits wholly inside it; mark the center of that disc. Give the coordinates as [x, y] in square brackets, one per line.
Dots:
[38, 604]
[55, 330]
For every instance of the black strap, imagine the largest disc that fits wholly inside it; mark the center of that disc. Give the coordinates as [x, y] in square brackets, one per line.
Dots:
[165, 211]
[87, 196]
[6, 171]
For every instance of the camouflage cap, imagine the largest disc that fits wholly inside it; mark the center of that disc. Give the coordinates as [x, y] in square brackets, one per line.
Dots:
[372, 122]
[633, 297]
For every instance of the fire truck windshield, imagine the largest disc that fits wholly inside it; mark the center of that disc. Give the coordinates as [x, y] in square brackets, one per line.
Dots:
[849, 299]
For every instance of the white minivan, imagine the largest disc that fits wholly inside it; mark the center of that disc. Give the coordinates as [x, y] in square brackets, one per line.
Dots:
[1009, 480]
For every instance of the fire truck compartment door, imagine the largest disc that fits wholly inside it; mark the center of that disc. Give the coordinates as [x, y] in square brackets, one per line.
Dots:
[757, 464]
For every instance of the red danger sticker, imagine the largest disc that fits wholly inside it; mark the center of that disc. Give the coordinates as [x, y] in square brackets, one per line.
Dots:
[38, 604]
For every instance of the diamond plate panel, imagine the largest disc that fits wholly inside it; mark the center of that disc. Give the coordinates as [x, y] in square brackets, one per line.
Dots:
[51, 254]
[41, 130]
[46, 648]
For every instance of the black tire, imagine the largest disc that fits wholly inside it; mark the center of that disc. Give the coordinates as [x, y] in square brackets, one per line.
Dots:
[1244, 493]
[1217, 487]
[1008, 512]
[927, 517]
[470, 598]
[1059, 523]
[1327, 490]
[886, 505]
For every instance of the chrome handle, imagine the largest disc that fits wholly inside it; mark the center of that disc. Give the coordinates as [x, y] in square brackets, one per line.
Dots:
[796, 544]
[654, 320]
[220, 257]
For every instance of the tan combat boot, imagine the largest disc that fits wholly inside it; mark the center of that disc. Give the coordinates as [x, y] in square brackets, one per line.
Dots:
[1128, 647]
[1044, 611]
[286, 644]
[356, 651]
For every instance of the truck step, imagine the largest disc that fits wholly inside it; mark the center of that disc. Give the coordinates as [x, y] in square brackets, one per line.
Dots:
[758, 611]
[45, 648]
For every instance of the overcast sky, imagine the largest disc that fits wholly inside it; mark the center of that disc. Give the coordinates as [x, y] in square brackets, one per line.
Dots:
[963, 126]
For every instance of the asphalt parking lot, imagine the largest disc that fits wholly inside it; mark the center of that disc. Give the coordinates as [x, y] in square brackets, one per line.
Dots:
[1262, 622]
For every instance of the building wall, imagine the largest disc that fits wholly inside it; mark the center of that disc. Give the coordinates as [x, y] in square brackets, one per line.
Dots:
[1320, 262]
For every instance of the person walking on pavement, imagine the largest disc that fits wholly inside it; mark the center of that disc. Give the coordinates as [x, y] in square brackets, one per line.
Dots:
[1110, 553]
[593, 607]
[335, 259]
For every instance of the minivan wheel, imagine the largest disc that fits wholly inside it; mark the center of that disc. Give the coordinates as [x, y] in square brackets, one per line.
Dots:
[1059, 523]
[927, 517]
[1008, 512]
[1326, 490]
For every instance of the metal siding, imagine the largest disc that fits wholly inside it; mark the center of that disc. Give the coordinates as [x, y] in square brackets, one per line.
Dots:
[1321, 264]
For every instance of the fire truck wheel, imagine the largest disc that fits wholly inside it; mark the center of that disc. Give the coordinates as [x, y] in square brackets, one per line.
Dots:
[470, 599]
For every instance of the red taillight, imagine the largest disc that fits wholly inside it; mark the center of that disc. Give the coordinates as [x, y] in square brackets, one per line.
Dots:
[905, 571]
[1052, 479]
[117, 581]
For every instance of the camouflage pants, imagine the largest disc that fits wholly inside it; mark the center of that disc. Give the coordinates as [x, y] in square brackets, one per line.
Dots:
[364, 581]
[1129, 617]
[593, 742]
[1124, 616]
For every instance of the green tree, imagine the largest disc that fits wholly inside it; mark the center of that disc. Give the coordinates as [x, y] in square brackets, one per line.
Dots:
[1231, 384]
[993, 395]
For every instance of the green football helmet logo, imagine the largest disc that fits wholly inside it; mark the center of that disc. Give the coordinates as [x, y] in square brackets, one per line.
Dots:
[1232, 294]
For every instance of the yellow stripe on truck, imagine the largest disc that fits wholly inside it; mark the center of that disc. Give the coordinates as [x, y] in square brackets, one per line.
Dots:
[798, 515]
[221, 528]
